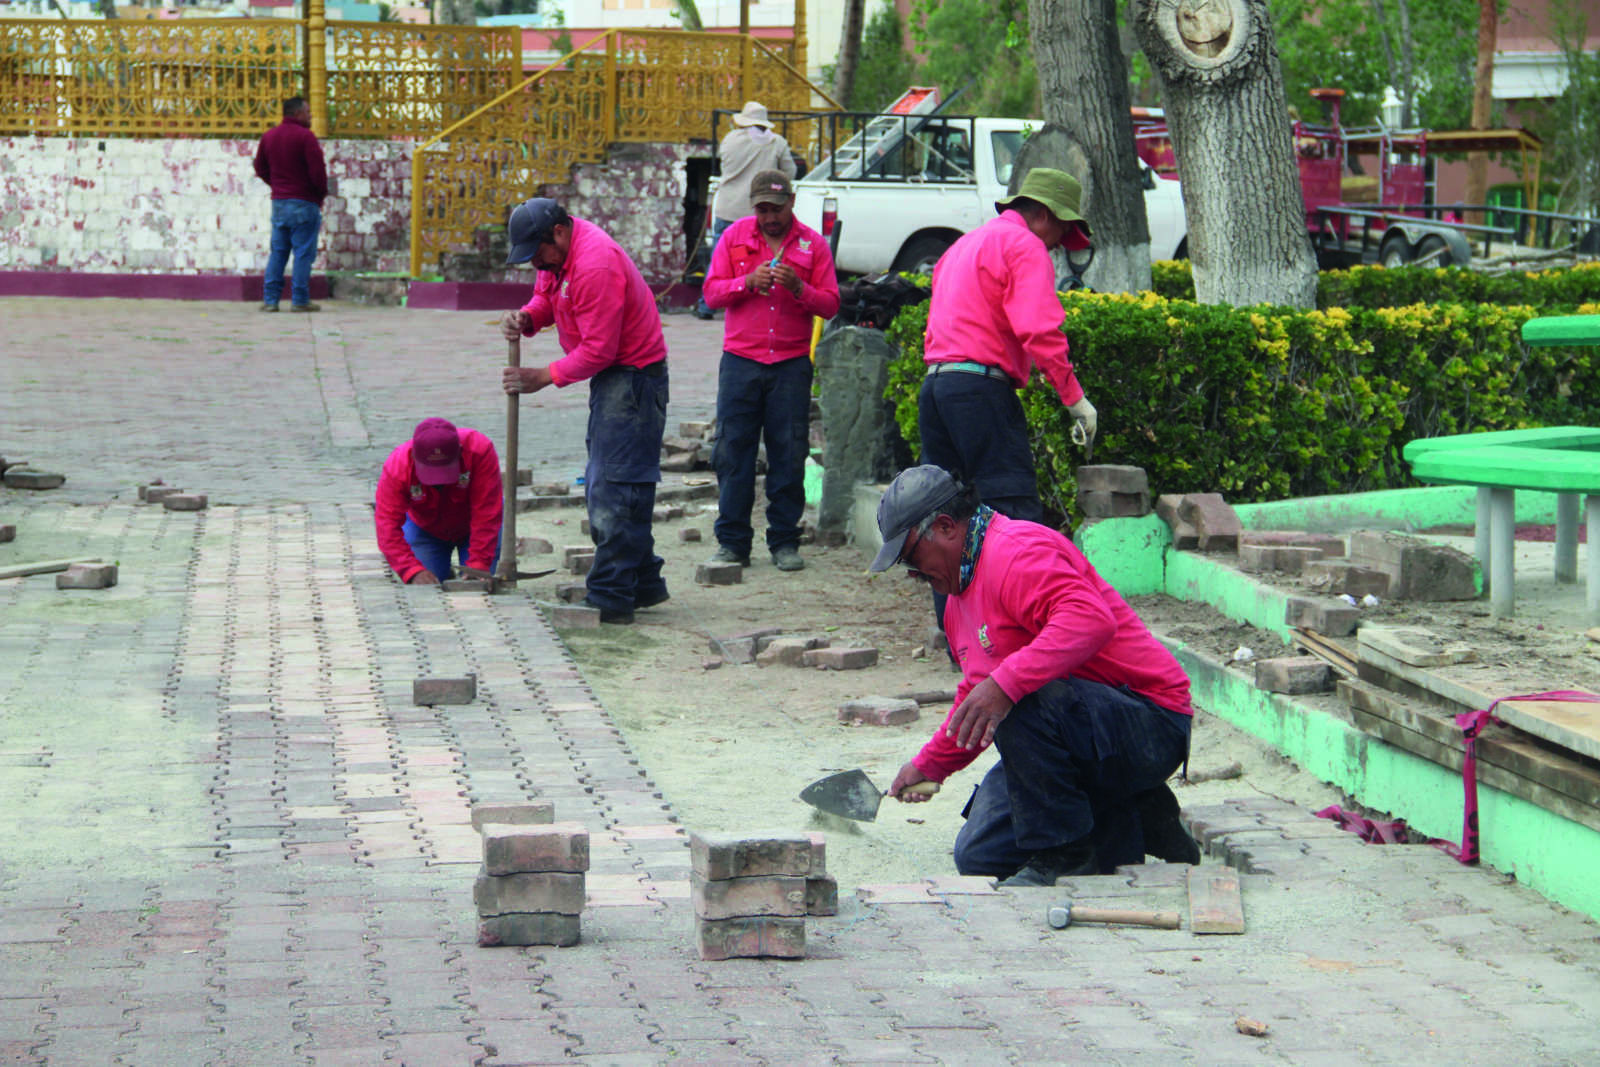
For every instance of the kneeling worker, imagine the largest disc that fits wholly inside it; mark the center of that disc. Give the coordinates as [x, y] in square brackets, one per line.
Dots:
[1090, 712]
[439, 493]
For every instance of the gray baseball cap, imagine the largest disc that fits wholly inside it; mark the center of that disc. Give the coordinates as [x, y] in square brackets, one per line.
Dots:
[529, 227]
[911, 497]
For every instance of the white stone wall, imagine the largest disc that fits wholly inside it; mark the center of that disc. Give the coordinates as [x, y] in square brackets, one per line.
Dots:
[184, 206]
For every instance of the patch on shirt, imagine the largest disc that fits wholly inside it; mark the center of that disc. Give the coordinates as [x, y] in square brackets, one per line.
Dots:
[564, 287]
[983, 638]
[417, 491]
[466, 477]
[805, 245]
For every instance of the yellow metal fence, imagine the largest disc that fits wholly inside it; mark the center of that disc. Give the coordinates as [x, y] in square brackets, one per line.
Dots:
[625, 85]
[229, 77]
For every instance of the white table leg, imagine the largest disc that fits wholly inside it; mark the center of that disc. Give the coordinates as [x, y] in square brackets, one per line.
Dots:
[1566, 537]
[1502, 552]
[1591, 506]
[1480, 535]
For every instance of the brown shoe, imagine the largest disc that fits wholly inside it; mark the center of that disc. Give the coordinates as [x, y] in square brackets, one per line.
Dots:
[305, 307]
[269, 307]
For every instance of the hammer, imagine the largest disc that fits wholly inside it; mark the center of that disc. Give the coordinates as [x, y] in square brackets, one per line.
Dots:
[1064, 915]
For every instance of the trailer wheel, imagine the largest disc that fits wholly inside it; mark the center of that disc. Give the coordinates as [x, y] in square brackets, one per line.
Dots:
[1394, 252]
[1432, 252]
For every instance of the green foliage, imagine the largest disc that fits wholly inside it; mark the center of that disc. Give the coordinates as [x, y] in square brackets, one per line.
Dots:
[980, 46]
[1266, 403]
[1551, 291]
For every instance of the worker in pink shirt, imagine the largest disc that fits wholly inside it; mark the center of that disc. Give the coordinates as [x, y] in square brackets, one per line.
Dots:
[774, 274]
[995, 316]
[439, 494]
[607, 324]
[1090, 713]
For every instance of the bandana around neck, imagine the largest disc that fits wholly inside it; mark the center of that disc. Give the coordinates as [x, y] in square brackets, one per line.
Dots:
[977, 526]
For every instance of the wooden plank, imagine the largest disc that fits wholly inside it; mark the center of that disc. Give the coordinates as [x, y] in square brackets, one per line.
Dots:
[1215, 906]
[1415, 646]
[1434, 682]
[48, 566]
[1328, 650]
[1571, 725]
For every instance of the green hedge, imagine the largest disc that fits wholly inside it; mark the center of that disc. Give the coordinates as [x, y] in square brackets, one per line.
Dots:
[1266, 403]
[1554, 291]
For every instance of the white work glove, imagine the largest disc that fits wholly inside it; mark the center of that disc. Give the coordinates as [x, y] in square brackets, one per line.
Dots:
[1083, 423]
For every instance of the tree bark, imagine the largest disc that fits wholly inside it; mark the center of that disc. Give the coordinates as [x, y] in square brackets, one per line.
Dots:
[454, 13]
[1083, 81]
[1217, 65]
[844, 75]
[1483, 104]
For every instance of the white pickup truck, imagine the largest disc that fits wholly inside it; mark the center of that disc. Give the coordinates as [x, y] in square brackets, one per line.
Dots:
[906, 186]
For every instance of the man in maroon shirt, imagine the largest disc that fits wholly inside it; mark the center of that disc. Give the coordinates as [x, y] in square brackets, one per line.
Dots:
[289, 160]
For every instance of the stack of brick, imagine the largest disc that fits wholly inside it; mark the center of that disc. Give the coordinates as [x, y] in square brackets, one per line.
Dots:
[1414, 569]
[1200, 520]
[687, 450]
[531, 887]
[1113, 491]
[751, 893]
[1287, 551]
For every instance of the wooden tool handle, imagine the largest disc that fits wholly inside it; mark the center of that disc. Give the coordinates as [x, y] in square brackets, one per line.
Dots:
[507, 571]
[922, 789]
[1163, 920]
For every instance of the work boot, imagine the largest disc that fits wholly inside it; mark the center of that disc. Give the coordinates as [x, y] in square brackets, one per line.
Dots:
[305, 307]
[269, 307]
[1043, 868]
[621, 617]
[1164, 835]
[652, 599]
[788, 558]
[728, 555]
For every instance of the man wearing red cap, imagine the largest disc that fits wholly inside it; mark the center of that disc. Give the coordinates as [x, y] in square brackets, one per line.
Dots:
[439, 493]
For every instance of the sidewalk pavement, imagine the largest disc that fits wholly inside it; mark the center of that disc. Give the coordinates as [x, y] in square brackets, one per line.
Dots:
[233, 839]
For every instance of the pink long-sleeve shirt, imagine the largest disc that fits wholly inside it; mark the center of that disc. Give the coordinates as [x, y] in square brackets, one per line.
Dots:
[776, 325]
[450, 512]
[995, 303]
[1036, 611]
[601, 306]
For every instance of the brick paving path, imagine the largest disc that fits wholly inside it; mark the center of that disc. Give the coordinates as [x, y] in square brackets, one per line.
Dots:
[232, 839]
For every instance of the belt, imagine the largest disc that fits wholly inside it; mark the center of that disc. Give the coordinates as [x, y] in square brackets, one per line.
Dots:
[654, 370]
[966, 366]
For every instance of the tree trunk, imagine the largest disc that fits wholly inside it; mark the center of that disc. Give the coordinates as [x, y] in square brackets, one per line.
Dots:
[454, 13]
[844, 75]
[1482, 104]
[1223, 92]
[1083, 81]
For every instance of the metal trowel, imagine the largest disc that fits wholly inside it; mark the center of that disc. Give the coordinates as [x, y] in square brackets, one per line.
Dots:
[852, 794]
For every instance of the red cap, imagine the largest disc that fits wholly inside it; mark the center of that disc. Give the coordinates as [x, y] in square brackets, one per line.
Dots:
[436, 452]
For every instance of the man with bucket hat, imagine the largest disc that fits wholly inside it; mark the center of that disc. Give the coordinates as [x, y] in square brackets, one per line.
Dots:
[438, 495]
[995, 316]
[1090, 712]
[608, 325]
[751, 147]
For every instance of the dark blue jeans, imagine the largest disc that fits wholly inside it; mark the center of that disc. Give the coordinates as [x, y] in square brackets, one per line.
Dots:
[973, 427]
[1073, 755]
[434, 552]
[752, 399]
[627, 415]
[295, 225]
[717, 226]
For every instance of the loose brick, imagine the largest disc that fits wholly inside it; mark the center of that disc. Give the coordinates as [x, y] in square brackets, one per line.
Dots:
[574, 617]
[1342, 576]
[551, 489]
[1215, 523]
[429, 691]
[729, 898]
[1332, 618]
[560, 846]
[522, 813]
[1257, 559]
[467, 585]
[879, 711]
[712, 663]
[1112, 478]
[819, 853]
[27, 478]
[1417, 570]
[741, 647]
[581, 564]
[698, 430]
[143, 489]
[715, 856]
[744, 938]
[841, 659]
[157, 493]
[535, 928]
[542, 891]
[1293, 674]
[88, 576]
[524, 476]
[571, 592]
[678, 462]
[718, 574]
[534, 546]
[1099, 504]
[185, 502]
[1184, 535]
[787, 651]
[822, 895]
[1331, 546]
[689, 533]
[674, 511]
[583, 527]
[1292, 559]
[8, 532]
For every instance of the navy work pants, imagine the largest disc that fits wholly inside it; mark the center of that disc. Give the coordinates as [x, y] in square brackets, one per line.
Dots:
[1073, 755]
[755, 399]
[973, 427]
[627, 415]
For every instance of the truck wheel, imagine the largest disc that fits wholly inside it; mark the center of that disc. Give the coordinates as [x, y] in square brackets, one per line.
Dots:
[1427, 249]
[1395, 251]
[921, 253]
